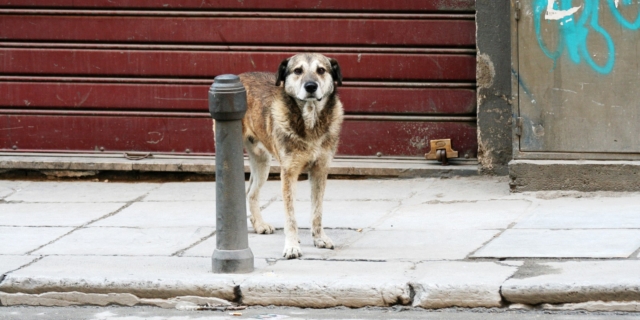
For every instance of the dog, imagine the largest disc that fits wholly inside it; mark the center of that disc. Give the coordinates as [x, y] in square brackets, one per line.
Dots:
[295, 116]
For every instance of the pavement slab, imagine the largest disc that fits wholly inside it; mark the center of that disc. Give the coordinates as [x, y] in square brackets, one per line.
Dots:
[272, 189]
[581, 243]
[10, 263]
[475, 215]
[180, 191]
[574, 282]
[336, 214]
[583, 213]
[54, 214]
[476, 188]
[444, 284]
[270, 246]
[411, 245]
[127, 241]
[144, 277]
[368, 189]
[349, 190]
[431, 243]
[163, 214]
[81, 191]
[331, 284]
[20, 240]
[8, 187]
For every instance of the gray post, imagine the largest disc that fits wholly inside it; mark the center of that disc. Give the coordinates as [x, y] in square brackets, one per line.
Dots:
[227, 105]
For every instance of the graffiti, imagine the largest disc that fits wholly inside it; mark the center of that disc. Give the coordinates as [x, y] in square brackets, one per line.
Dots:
[573, 32]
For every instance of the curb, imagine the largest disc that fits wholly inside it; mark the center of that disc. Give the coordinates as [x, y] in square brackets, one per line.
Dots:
[571, 285]
[190, 303]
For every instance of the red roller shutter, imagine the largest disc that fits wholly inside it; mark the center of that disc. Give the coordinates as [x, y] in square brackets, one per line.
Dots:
[132, 75]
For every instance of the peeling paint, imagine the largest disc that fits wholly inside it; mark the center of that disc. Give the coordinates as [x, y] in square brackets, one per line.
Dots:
[419, 143]
[538, 130]
[485, 71]
[564, 90]
[485, 158]
[155, 133]
[84, 98]
[553, 14]
[456, 5]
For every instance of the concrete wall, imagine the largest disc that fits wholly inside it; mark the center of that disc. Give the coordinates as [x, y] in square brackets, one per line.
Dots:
[494, 86]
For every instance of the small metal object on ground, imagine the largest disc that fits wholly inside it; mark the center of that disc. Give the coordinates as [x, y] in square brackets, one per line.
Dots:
[441, 150]
[227, 105]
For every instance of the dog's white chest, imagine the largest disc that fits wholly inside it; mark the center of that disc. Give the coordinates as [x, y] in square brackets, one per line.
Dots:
[309, 114]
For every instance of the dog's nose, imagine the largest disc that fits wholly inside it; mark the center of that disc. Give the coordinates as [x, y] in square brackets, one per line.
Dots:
[311, 87]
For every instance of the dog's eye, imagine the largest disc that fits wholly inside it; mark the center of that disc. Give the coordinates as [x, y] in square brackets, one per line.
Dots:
[321, 70]
[297, 71]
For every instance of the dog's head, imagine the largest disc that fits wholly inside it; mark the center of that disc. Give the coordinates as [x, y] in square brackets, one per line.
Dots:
[309, 76]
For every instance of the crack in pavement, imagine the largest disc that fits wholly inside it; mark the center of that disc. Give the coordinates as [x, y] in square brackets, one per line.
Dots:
[13, 191]
[128, 204]
[180, 252]
[4, 276]
[269, 202]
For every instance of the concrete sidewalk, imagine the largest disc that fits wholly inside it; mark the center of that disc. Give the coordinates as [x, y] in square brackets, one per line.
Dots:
[431, 243]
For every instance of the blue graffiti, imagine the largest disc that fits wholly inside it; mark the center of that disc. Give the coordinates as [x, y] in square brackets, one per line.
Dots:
[573, 34]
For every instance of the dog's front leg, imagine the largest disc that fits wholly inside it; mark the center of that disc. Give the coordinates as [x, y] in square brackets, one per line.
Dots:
[318, 176]
[289, 178]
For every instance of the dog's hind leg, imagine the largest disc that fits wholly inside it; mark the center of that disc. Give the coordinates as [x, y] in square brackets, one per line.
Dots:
[318, 176]
[259, 163]
[289, 177]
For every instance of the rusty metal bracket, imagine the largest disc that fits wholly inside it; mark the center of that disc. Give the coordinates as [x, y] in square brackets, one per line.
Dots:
[441, 150]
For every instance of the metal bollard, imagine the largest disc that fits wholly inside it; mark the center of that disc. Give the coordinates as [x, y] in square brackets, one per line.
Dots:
[227, 105]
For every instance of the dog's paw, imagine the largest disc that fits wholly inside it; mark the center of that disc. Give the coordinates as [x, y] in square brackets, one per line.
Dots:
[263, 228]
[323, 242]
[292, 252]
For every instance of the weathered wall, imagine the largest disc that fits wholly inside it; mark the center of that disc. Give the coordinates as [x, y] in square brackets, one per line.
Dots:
[578, 74]
[493, 75]
[577, 99]
[578, 175]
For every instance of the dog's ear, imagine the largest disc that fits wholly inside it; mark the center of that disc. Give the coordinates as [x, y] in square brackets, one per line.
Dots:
[335, 71]
[282, 71]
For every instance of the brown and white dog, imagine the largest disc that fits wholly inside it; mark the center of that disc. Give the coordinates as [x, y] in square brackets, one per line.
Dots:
[299, 124]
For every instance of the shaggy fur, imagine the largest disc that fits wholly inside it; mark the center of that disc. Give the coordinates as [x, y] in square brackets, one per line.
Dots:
[295, 116]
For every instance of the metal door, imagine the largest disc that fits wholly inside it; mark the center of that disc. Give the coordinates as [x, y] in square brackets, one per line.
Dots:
[103, 76]
[578, 78]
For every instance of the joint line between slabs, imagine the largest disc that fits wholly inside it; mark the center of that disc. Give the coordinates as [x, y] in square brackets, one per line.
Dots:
[128, 204]
[509, 227]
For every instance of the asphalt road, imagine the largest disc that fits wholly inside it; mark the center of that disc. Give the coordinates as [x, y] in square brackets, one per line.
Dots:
[151, 313]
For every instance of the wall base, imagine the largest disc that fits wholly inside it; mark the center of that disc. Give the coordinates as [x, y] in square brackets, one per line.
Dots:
[79, 166]
[579, 175]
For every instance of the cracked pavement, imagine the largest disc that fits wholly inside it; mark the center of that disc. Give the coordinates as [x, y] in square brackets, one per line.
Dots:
[425, 242]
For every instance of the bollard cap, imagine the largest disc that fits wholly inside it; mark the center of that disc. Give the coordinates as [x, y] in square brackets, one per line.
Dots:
[227, 98]
[227, 83]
